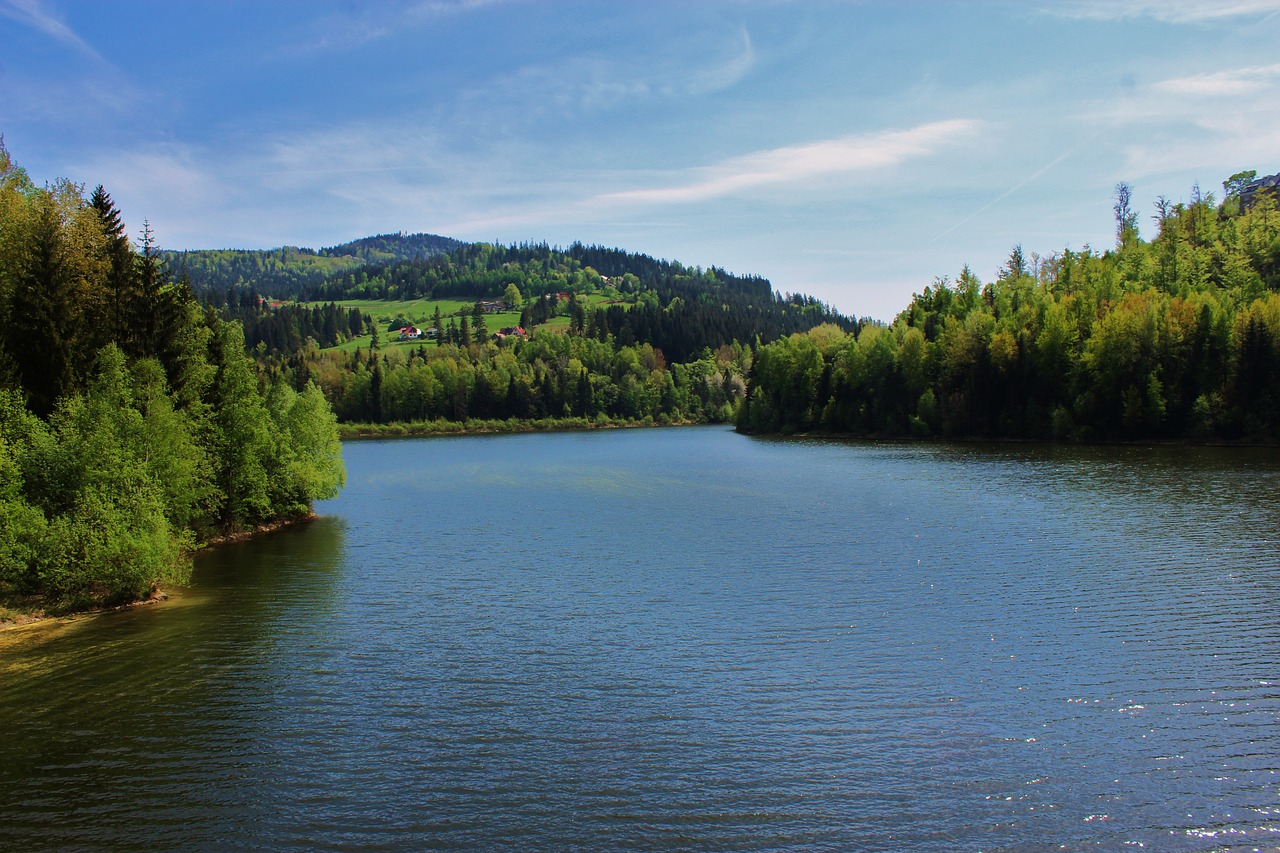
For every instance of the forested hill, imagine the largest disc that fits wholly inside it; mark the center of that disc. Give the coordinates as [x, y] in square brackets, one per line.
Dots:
[523, 332]
[389, 247]
[289, 270]
[424, 266]
[634, 297]
[1173, 338]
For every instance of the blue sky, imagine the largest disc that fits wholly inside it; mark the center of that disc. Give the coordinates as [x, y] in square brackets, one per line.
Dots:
[853, 151]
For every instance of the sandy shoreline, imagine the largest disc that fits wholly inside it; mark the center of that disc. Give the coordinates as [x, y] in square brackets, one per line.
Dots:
[31, 612]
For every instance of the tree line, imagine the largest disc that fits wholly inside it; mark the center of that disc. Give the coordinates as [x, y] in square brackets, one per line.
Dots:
[670, 343]
[551, 376]
[1177, 337]
[287, 327]
[133, 425]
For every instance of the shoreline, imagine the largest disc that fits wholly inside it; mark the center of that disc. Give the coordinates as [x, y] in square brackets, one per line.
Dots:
[32, 611]
[872, 438]
[437, 429]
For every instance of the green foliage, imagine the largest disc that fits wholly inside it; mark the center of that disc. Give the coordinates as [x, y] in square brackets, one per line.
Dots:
[133, 425]
[669, 348]
[308, 454]
[89, 521]
[584, 289]
[288, 270]
[551, 375]
[1176, 338]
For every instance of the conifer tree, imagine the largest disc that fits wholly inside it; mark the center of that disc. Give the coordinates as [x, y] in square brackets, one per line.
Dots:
[41, 324]
[121, 277]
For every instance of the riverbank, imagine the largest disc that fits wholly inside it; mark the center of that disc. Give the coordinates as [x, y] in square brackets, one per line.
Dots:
[872, 438]
[424, 429]
[30, 610]
[19, 611]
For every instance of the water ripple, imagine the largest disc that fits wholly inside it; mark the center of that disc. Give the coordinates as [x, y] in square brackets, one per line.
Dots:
[689, 640]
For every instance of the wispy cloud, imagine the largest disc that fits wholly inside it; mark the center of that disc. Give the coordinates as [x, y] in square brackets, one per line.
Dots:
[440, 8]
[1169, 11]
[1241, 81]
[1219, 147]
[726, 74]
[598, 82]
[377, 21]
[799, 163]
[36, 14]
[1210, 100]
[172, 184]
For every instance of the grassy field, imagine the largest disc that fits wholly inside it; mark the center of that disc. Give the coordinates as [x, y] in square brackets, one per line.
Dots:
[421, 313]
[416, 311]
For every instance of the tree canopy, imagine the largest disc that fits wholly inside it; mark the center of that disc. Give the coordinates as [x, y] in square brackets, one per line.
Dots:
[133, 425]
[1173, 338]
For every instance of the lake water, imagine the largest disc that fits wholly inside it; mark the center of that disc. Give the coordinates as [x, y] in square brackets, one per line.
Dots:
[688, 639]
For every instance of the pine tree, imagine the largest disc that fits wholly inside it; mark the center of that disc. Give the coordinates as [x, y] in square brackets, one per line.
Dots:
[121, 279]
[42, 311]
[146, 310]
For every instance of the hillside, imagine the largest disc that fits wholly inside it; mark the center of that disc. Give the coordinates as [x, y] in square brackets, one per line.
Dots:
[287, 270]
[635, 298]
[600, 335]
[1174, 338]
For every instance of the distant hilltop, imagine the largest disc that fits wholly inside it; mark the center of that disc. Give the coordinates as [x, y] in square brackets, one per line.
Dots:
[288, 268]
[394, 247]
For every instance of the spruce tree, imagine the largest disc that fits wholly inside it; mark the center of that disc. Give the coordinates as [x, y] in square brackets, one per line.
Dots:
[41, 324]
[121, 277]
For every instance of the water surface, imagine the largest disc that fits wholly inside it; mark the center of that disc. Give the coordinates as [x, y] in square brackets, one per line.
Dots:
[688, 639]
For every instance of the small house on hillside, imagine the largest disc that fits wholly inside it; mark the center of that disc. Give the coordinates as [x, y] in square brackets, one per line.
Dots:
[410, 333]
[1269, 184]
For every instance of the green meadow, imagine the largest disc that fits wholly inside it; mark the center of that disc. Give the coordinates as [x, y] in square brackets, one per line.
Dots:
[421, 313]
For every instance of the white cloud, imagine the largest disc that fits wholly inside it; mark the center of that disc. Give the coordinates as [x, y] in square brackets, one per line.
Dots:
[1169, 11]
[1183, 108]
[1210, 156]
[798, 163]
[1240, 82]
[34, 14]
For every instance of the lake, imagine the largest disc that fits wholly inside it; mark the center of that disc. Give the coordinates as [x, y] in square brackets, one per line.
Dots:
[688, 639]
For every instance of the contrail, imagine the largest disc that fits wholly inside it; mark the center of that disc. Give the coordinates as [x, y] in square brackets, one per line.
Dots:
[1028, 179]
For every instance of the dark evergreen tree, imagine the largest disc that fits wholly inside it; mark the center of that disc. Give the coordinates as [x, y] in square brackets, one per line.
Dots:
[121, 278]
